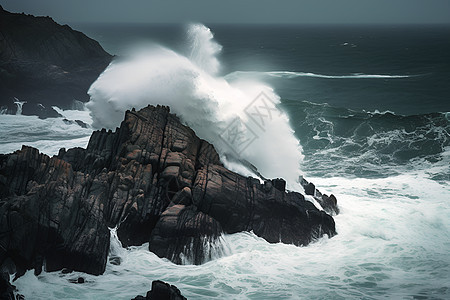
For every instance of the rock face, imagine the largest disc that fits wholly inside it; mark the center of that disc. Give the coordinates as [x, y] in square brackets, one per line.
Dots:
[45, 64]
[162, 291]
[155, 179]
[6, 289]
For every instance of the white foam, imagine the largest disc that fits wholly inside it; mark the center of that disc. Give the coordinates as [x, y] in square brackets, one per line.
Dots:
[206, 102]
[291, 74]
[19, 105]
[47, 135]
[393, 239]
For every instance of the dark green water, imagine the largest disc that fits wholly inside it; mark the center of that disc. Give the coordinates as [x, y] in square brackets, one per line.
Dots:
[370, 108]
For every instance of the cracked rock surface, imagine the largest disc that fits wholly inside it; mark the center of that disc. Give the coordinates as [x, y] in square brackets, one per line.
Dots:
[152, 177]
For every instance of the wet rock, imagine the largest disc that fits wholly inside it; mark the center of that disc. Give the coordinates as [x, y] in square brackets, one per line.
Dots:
[81, 124]
[77, 122]
[279, 184]
[156, 180]
[78, 280]
[115, 260]
[183, 233]
[243, 204]
[38, 109]
[6, 289]
[162, 291]
[328, 203]
[43, 208]
[310, 189]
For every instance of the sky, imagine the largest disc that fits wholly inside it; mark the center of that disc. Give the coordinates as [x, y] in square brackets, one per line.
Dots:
[238, 11]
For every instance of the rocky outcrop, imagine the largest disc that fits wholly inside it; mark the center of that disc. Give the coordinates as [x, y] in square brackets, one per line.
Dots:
[45, 64]
[162, 291]
[46, 215]
[156, 180]
[328, 203]
[183, 229]
[6, 288]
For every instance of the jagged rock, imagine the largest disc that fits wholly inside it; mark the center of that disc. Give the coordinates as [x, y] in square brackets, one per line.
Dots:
[81, 124]
[310, 189]
[6, 289]
[77, 122]
[157, 180]
[182, 229]
[43, 112]
[279, 184]
[42, 62]
[242, 204]
[44, 209]
[328, 203]
[162, 291]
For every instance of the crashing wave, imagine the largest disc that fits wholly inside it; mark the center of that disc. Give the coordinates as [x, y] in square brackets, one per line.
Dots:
[240, 117]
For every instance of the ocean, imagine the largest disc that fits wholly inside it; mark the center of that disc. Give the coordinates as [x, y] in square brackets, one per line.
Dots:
[364, 113]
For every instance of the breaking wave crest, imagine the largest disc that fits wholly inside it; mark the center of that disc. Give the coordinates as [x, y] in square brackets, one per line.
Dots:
[290, 74]
[370, 144]
[213, 106]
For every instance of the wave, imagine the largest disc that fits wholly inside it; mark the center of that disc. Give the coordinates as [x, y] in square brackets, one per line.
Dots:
[290, 74]
[399, 224]
[47, 135]
[370, 144]
[240, 117]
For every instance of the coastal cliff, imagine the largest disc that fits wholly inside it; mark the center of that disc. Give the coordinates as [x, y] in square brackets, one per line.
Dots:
[45, 64]
[156, 181]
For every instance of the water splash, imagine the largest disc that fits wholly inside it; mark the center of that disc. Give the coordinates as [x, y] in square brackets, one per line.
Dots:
[208, 103]
[116, 250]
[213, 248]
[19, 106]
[203, 48]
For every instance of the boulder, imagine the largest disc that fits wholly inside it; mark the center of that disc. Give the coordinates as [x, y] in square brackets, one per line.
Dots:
[162, 291]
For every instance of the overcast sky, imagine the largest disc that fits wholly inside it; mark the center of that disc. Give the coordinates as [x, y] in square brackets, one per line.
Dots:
[237, 11]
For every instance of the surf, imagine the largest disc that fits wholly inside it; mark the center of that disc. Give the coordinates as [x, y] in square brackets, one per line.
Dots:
[240, 117]
[292, 74]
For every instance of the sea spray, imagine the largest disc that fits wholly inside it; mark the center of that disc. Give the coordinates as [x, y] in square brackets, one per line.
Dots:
[393, 229]
[213, 248]
[205, 101]
[116, 250]
[19, 105]
[203, 49]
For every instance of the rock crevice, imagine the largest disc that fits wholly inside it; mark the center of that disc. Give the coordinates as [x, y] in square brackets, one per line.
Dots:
[157, 180]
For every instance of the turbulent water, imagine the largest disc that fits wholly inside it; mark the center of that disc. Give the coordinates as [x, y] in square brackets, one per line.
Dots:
[363, 113]
[205, 101]
[47, 135]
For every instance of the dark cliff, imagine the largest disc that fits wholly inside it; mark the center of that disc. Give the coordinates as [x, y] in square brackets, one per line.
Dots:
[155, 179]
[42, 62]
